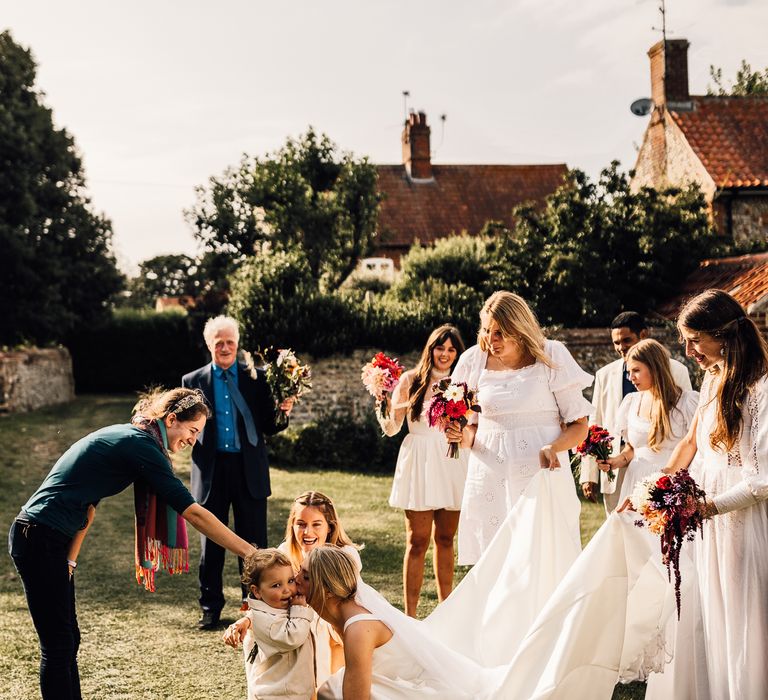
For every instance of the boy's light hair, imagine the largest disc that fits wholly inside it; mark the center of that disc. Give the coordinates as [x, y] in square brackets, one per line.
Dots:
[255, 564]
[516, 320]
[214, 325]
[331, 572]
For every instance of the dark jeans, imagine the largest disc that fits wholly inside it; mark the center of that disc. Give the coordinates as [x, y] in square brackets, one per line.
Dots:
[40, 556]
[228, 488]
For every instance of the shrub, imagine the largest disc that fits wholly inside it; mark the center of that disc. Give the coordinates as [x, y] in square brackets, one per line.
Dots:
[337, 441]
[134, 349]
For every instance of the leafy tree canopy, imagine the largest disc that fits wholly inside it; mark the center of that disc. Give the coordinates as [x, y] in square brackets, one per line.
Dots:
[748, 82]
[306, 196]
[57, 268]
[164, 276]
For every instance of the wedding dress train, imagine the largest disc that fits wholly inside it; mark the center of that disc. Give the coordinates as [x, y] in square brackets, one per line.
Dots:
[520, 626]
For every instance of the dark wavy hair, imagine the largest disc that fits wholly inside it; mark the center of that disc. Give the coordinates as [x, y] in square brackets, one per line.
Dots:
[420, 384]
[745, 356]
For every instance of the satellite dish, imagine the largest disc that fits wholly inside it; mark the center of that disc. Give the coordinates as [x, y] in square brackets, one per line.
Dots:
[641, 107]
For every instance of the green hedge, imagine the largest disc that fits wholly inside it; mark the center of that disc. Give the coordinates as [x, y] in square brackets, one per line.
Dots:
[337, 441]
[136, 349]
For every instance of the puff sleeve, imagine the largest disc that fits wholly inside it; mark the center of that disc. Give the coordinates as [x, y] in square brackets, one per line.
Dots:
[468, 370]
[567, 381]
[622, 417]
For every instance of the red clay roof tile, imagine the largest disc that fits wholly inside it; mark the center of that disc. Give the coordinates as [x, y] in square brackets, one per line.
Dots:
[458, 198]
[730, 137]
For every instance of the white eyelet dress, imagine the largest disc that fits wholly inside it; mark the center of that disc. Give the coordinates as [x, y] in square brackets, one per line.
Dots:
[522, 410]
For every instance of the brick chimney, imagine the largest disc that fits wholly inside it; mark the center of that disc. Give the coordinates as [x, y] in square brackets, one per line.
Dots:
[415, 139]
[669, 74]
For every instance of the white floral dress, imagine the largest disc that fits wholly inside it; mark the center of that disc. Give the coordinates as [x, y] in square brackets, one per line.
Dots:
[522, 410]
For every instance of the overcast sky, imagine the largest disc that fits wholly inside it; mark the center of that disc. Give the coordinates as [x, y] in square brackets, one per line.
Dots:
[161, 95]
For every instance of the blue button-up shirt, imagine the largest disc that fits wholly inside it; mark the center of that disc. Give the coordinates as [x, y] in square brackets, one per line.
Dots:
[227, 439]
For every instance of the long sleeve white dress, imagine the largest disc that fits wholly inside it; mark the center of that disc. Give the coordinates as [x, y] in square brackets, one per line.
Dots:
[722, 650]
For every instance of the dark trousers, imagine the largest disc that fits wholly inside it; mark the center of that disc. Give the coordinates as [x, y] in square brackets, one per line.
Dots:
[40, 556]
[228, 488]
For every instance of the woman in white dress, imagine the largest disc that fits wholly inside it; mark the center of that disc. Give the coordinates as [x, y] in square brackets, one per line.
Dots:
[724, 650]
[533, 411]
[428, 485]
[653, 419]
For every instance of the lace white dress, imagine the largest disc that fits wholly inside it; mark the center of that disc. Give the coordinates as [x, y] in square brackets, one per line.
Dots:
[722, 651]
[522, 410]
[425, 477]
[634, 430]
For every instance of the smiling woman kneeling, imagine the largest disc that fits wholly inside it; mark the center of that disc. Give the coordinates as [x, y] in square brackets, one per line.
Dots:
[46, 536]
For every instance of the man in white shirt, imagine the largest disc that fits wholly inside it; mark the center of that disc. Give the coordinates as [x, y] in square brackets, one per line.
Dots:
[611, 386]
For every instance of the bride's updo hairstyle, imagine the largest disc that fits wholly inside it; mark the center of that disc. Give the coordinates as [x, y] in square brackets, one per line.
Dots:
[157, 404]
[331, 572]
[421, 381]
[664, 391]
[745, 356]
[516, 320]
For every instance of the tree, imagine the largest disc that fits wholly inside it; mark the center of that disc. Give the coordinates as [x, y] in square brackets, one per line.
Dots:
[597, 248]
[58, 270]
[164, 276]
[307, 195]
[748, 82]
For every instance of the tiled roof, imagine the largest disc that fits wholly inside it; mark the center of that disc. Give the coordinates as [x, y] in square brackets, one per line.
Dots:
[458, 198]
[730, 137]
[744, 277]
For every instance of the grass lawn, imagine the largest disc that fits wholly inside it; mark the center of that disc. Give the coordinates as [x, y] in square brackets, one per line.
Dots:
[142, 645]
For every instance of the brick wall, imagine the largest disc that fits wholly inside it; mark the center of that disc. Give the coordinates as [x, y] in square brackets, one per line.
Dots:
[33, 378]
[337, 386]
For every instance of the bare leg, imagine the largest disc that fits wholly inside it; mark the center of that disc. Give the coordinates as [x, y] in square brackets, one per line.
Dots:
[446, 523]
[418, 528]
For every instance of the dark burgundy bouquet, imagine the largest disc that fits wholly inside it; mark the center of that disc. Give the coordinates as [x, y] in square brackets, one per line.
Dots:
[670, 506]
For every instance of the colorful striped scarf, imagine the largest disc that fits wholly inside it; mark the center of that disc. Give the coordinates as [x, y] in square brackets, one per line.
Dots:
[161, 533]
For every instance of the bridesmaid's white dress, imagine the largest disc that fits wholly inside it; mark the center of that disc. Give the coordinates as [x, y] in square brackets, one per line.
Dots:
[425, 477]
[634, 429]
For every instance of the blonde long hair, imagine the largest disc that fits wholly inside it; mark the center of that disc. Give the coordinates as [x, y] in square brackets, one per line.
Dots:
[664, 392]
[337, 537]
[516, 320]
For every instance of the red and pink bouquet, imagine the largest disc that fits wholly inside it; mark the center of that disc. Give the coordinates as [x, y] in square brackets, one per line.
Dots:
[597, 445]
[451, 403]
[380, 377]
[669, 504]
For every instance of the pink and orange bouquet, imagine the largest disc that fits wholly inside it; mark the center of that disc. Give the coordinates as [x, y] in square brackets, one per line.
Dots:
[451, 403]
[380, 377]
[669, 504]
[598, 445]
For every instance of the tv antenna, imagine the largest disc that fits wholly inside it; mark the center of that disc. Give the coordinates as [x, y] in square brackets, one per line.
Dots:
[663, 28]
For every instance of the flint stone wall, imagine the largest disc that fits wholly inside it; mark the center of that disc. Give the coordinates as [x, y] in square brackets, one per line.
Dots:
[35, 377]
[336, 385]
